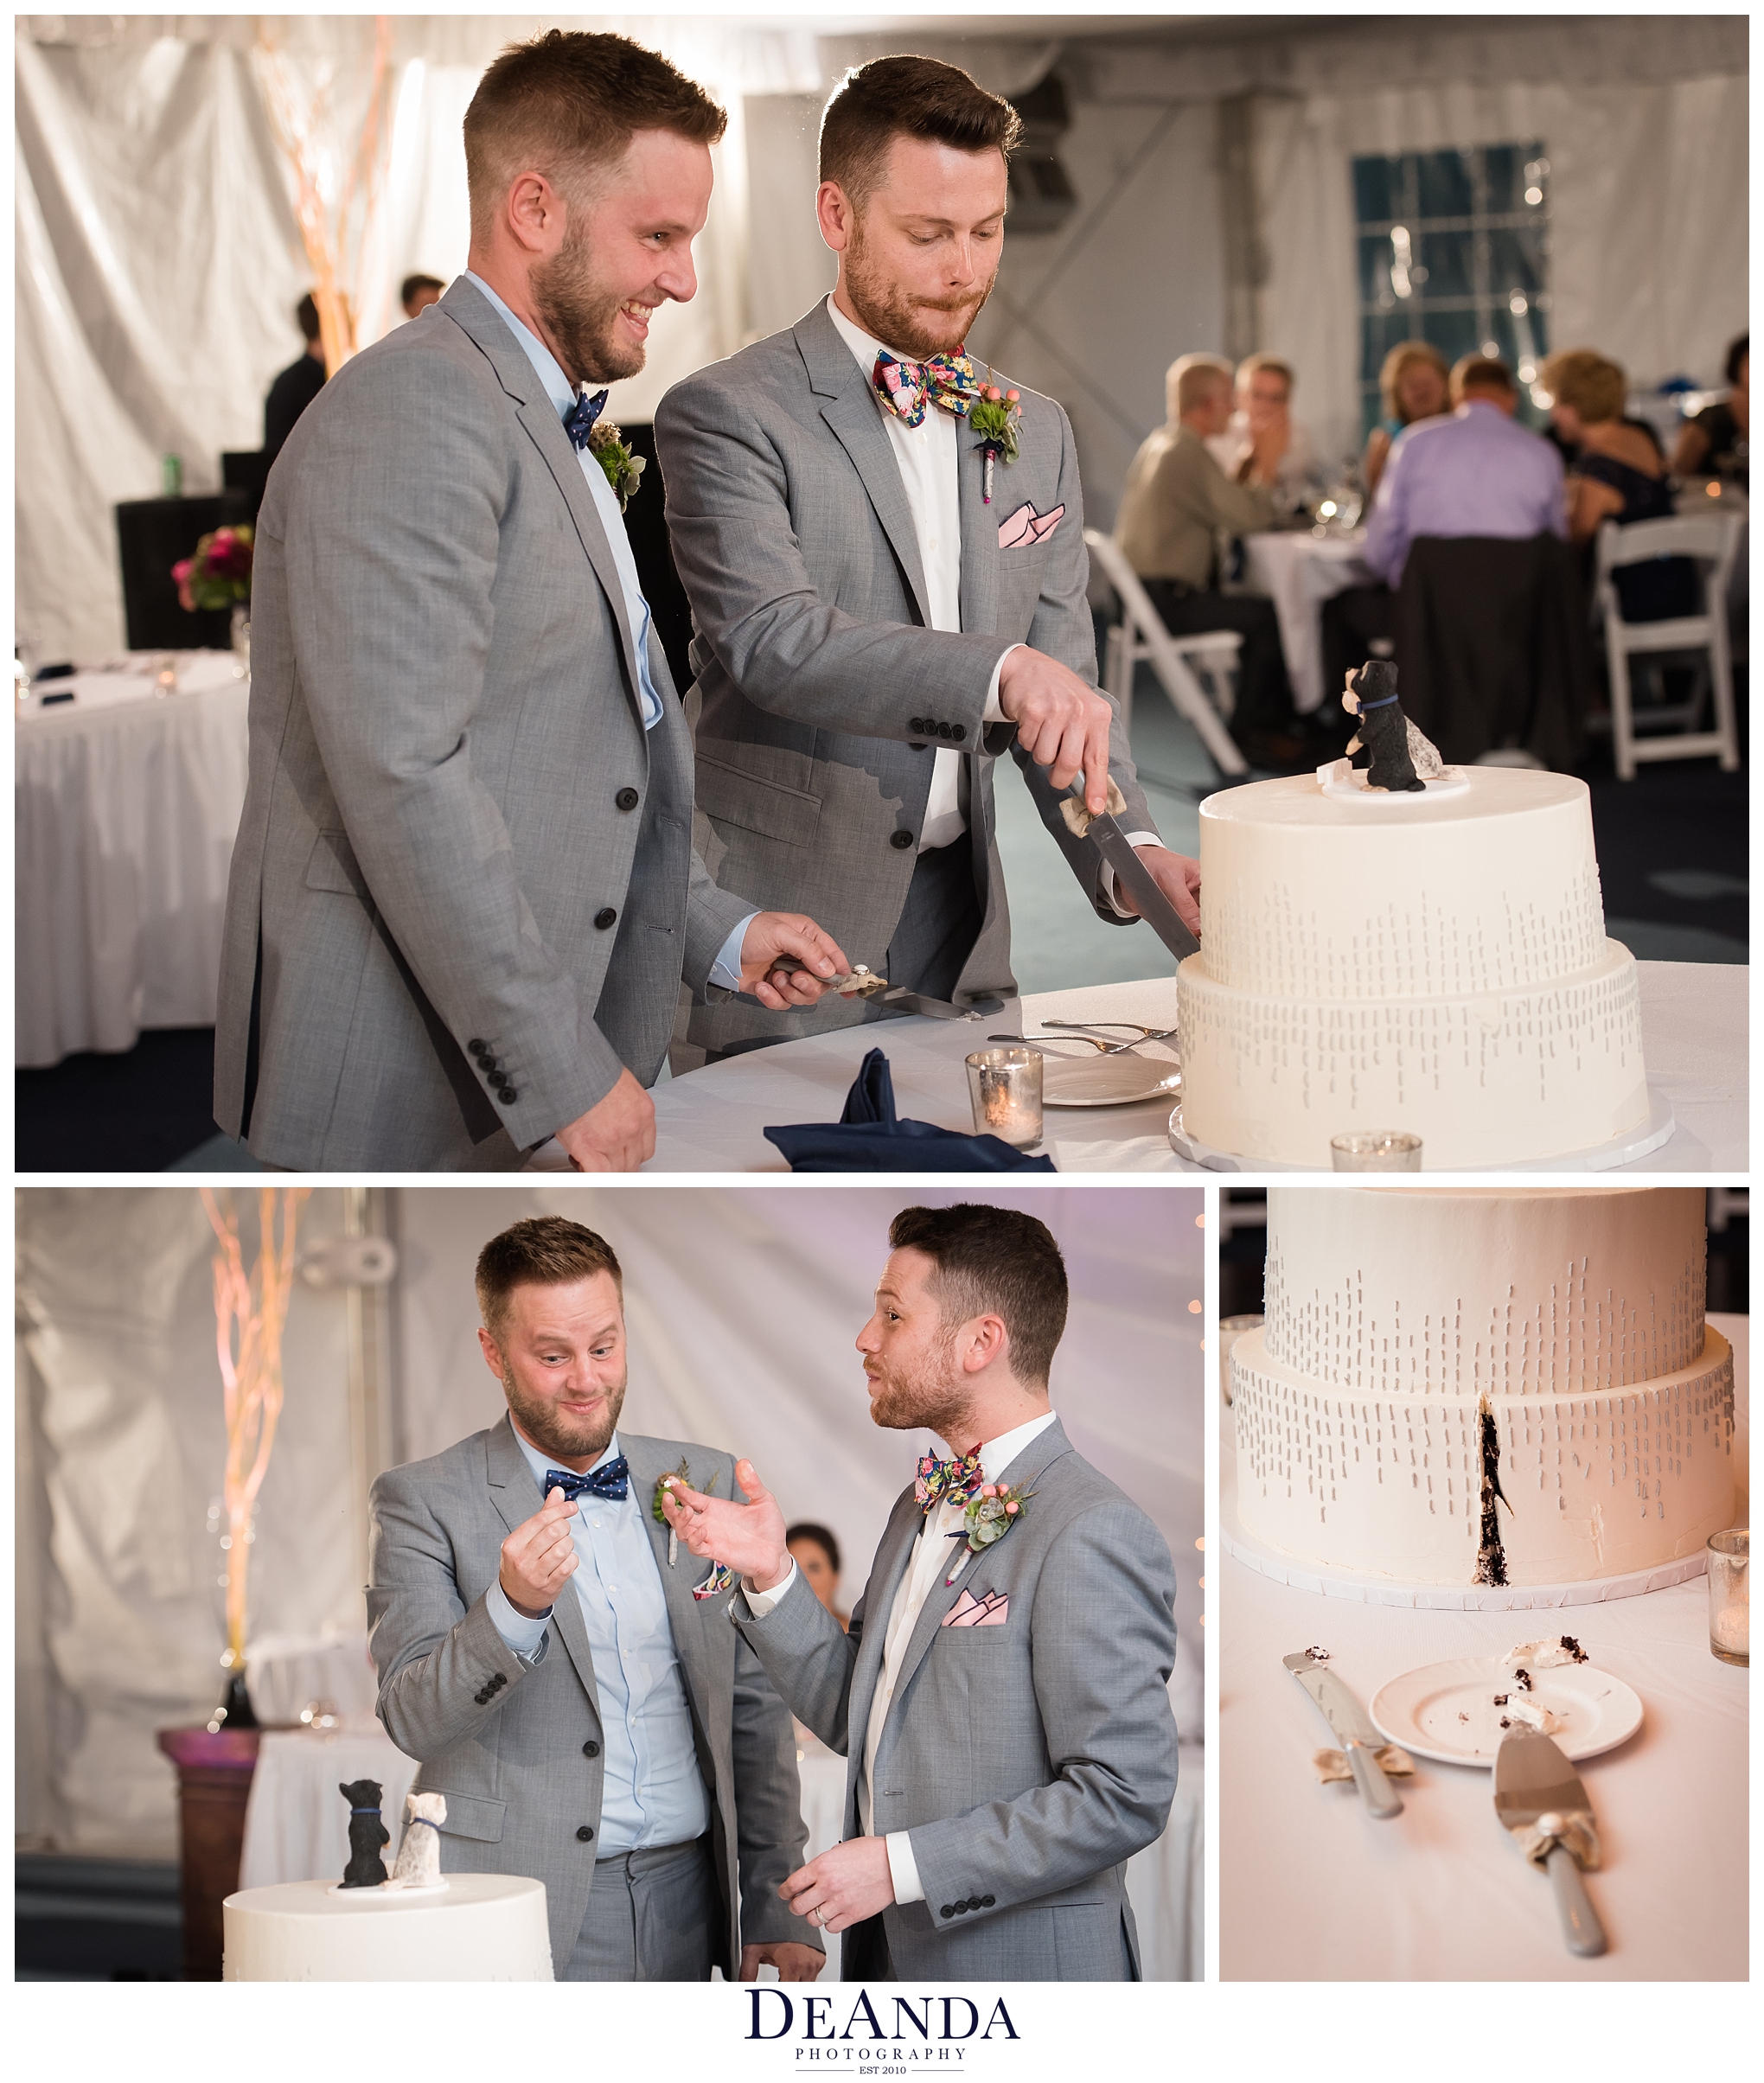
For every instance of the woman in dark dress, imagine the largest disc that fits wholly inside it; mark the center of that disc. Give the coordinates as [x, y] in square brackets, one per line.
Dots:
[1716, 443]
[1618, 475]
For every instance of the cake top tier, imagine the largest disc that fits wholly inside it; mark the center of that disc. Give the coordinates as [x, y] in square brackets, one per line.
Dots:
[1298, 799]
[1386, 1291]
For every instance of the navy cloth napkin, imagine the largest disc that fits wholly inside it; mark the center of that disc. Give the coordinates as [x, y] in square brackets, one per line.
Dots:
[868, 1138]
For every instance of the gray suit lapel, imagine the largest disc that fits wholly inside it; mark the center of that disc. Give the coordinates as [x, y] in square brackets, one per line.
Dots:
[887, 1574]
[516, 1497]
[979, 536]
[649, 1460]
[849, 408]
[1035, 1458]
[480, 318]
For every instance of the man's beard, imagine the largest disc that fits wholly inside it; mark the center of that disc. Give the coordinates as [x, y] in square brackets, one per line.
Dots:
[582, 1439]
[580, 314]
[905, 1401]
[916, 326]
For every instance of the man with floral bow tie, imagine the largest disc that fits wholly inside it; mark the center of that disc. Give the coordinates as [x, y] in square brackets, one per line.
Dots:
[565, 1672]
[883, 545]
[1000, 1698]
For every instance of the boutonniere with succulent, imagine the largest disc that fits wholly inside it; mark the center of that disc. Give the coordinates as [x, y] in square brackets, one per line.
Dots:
[664, 1484]
[997, 417]
[992, 1511]
[625, 468]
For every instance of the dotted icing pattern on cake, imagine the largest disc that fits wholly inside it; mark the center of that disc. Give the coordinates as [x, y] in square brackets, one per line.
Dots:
[1401, 1323]
[1435, 967]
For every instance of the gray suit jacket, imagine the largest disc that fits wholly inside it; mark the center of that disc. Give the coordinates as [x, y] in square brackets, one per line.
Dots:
[455, 828]
[822, 692]
[1027, 1761]
[518, 1780]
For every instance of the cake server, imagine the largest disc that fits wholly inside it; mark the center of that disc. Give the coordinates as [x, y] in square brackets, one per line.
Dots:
[1539, 1798]
[1361, 1742]
[1105, 834]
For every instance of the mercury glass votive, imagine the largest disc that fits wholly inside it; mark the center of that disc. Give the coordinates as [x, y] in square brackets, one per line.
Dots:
[1375, 1150]
[1730, 1596]
[1004, 1088]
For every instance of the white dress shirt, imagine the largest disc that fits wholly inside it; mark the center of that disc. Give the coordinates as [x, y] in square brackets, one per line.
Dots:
[726, 969]
[935, 1555]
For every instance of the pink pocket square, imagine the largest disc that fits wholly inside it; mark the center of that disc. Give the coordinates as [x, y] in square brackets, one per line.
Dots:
[1025, 527]
[970, 1612]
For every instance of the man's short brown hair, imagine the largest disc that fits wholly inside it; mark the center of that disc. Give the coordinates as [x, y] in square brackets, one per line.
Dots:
[994, 1261]
[567, 103]
[1253, 365]
[541, 1251]
[1481, 373]
[1190, 380]
[891, 98]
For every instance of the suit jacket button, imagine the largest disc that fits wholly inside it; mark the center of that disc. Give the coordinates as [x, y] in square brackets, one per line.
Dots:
[507, 1095]
[604, 917]
[988, 1902]
[917, 723]
[475, 1048]
[899, 840]
[959, 733]
[486, 1064]
[583, 1833]
[591, 1750]
[943, 731]
[626, 799]
[949, 1909]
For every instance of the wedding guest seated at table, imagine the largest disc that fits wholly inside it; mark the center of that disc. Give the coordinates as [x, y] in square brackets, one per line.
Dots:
[418, 293]
[1414, 383]
[297, 385]
[1177, 503]
[1617, 475]
[1260, 402]
[1715, 443]
[816, 1553]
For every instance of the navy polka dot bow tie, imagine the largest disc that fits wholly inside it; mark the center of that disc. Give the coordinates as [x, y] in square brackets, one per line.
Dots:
[579, 424]
[607, 1480]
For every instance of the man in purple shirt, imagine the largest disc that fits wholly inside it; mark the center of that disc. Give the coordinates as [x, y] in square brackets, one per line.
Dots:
[1475, 473]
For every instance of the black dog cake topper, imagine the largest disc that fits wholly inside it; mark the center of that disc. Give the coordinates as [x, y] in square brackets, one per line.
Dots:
[368, 1835]
[1393, 753]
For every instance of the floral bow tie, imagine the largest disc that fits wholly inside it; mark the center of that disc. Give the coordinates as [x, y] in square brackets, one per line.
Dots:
[609, 1480]
[908, 388]
[939, 1482]
[578, 422]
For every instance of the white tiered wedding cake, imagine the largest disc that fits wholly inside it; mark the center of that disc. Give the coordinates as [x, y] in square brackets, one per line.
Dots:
[1491, 1387]
[1435, 964]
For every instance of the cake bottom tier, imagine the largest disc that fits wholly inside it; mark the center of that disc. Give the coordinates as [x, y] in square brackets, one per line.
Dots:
[485, 1927]
[1494, 1079]
[1594, 1486]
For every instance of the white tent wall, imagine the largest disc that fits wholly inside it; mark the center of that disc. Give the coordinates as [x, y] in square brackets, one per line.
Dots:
[122, 1445]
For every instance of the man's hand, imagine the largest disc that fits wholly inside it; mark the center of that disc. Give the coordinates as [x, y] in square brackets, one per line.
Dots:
[794, 1963]
[843, 1886]
[617, 1135]
[540, 1557]
[1177, 876]
[770, 934]
[748, 1537]
[1062, 721]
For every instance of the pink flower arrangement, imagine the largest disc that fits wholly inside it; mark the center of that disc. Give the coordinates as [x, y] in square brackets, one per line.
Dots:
[218, 574]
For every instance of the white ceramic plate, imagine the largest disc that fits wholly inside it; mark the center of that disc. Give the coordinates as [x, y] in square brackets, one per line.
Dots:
[1107, 1081]
[1447, 1711]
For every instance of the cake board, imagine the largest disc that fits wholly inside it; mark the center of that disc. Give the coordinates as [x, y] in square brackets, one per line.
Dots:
[1305, 1575]
[1625, 1149]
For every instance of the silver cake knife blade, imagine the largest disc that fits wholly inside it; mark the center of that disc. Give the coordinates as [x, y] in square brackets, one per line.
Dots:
[1352, 1726]
[1158, 913]
[1535, 1786]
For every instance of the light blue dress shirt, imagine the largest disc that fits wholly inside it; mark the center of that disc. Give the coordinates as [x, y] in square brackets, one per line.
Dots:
[726, 969]
[653, 1791]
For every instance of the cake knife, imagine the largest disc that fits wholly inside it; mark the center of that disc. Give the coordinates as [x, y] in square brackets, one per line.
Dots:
[1538, 1796]
[1104, 833]
[1358, 1738]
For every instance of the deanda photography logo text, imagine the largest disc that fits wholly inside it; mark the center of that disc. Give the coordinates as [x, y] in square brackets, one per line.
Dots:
[876, 2035]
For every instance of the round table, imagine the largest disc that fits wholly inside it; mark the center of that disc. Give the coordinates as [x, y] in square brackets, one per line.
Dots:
[125, 805]
[1312, 1889]
[1694, 1036]
[1298, 571]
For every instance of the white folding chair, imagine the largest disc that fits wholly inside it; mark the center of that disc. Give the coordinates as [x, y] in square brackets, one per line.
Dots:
[1713, 540]
[1190, 670]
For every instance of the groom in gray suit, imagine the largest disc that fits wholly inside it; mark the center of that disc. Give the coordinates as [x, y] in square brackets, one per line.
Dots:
[640, 1763]
[1000, 1697]
[463, 893]
[881, 607]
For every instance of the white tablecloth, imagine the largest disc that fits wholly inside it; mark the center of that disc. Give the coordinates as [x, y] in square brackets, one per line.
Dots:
[1298, 571]
[125, 808]
[297, 1829]
[1311, 1889]
[1694, 1036]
